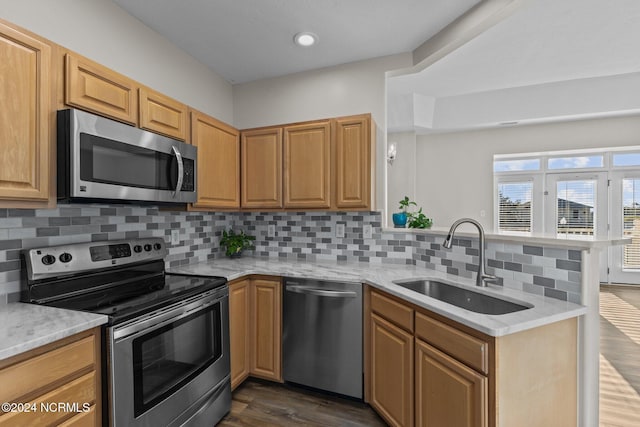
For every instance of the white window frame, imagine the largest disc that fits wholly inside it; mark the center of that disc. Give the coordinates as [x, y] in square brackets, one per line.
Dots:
[537, 195]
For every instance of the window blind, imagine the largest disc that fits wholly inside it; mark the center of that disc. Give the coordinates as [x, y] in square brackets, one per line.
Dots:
[631, 222]
[514, 209]
[575, 207]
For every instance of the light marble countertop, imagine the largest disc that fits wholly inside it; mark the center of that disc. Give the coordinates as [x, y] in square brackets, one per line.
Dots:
[28, 326]
[532, 239]
[544, 311]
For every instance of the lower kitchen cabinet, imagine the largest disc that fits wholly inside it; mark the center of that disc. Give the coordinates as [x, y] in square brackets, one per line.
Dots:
[392, 372]
[255, 325]
[239, 306]
[448, 393]
[63, 372]
[462, 377]
[266, 298]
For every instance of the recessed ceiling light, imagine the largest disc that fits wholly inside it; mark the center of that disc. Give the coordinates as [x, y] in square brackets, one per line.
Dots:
[305, 39]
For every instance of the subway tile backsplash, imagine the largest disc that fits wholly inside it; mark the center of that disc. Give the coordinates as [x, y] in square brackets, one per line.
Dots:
[304, 236]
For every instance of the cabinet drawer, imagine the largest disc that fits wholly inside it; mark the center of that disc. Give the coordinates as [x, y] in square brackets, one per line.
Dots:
[40, 371]
[84, 419]
[392, 310]
[472, 351]
[75, 393]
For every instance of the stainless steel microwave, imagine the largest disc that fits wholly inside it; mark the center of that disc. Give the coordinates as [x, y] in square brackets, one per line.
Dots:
[101, 159]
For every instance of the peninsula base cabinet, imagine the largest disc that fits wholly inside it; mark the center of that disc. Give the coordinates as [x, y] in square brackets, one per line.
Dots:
[255, 325]
[63, 372]
[423, 369]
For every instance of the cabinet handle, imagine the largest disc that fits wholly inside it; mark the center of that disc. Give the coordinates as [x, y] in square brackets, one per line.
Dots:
[180, 170]
[321, 292]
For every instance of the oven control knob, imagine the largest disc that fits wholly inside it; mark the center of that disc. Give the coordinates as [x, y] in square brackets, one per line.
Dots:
[157, 246]
[147, 247]
[65, 257]
[48, 259]
[137, 249]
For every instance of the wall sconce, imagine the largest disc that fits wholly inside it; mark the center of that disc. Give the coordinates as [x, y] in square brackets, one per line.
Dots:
[392, 150]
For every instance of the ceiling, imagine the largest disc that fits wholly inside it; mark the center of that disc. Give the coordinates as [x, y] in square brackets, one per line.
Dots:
[544, 47]
[250, 40]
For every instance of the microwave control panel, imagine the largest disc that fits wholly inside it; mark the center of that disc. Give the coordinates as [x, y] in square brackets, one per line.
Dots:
[188, 179]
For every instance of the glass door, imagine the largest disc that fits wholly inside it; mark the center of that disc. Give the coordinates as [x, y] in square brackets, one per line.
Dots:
[625, 222]
[577, 208]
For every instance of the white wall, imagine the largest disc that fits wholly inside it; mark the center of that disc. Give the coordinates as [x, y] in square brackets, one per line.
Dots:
[354, 88]
[102, 31]
[401, 173]
[454, 171]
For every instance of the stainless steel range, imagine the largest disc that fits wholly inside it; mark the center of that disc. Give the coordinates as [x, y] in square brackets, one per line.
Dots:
[166, 345]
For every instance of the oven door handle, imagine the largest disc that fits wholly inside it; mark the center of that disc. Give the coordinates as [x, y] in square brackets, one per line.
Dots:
[178, 155]
[158, 320]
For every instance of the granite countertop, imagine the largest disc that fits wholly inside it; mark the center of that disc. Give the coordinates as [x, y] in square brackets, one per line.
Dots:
[28, 326]
[544, 311]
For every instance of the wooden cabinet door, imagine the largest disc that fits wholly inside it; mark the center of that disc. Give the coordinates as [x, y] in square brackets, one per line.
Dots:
[352, 147]
[218, 162]
[448, 393]
[266, 298]
[307, 165]
[391, 372]
[93, 87]
[239, 330]
[261, 168]
[25, 117]
[161, 114]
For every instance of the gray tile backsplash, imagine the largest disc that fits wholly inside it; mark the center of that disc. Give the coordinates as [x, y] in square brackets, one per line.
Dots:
[305, 236]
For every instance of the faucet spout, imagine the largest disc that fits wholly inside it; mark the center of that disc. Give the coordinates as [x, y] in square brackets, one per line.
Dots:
[482, 278]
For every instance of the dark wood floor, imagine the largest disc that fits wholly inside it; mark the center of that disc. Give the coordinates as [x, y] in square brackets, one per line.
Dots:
[619, 356]
[257, 403]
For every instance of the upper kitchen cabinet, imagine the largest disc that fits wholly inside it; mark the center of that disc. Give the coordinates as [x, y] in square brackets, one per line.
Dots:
[307, 165]
[218, 163]
[93, 87]
[161, 114]
[323, 164]
[26, 117]
[262, 168]
[353, 146]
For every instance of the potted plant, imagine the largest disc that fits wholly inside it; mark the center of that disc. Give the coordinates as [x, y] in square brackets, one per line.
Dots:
[400, 218]
[419, 220]
[236, 243]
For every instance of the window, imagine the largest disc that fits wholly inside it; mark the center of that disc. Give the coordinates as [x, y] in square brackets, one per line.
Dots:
[631, 222]
[576, 201]
[514, 206]
[516, 165]
[626, 159]
[577, 162]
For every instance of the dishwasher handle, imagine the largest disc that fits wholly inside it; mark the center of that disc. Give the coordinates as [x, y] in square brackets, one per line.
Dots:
[320, 292]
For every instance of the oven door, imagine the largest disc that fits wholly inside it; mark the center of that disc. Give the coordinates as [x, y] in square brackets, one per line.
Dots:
[173, 365]
[111, 160]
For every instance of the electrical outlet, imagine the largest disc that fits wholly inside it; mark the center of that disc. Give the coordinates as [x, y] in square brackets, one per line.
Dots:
[271, 230]
[367, 231]
[340, 230]
[175, 237]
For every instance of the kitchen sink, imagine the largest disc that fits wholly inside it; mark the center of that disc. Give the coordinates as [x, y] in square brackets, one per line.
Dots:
[463, 298]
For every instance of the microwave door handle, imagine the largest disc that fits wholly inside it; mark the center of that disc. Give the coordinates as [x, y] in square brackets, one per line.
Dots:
[180, 170]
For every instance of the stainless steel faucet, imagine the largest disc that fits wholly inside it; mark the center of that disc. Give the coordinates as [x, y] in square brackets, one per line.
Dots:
[483, 278]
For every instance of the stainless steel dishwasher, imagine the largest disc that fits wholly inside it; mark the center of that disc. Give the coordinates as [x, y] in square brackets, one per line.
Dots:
[322, 335]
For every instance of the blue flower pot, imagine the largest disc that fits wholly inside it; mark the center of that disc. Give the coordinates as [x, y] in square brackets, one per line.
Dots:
[399, 219]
